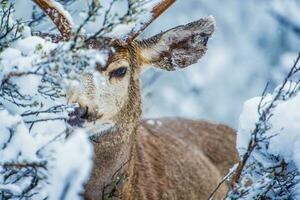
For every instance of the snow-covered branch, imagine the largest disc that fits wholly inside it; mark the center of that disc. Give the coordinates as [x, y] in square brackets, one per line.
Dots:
[267, 141]
[9, 29]
[42, 155]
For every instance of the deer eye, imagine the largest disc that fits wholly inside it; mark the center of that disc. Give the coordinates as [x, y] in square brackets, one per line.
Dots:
[118, 73]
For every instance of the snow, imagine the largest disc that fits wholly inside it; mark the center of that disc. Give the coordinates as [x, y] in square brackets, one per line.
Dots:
[30, 89]
[16, 150]
[244, 53]
[151, 122]
[22, 55]
[285, 127]
[100, 80]
[29, 44]
[154, 122]
[63, 11]
[32, 118]
[10, 187]
[9, 54]
[296, 159]
[68, 174]
[240, 58]
[122, 31]
[284, 133]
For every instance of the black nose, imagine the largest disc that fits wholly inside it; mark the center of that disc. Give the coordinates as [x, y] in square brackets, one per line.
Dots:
[78, 116]
[205, 40]
[81, 112]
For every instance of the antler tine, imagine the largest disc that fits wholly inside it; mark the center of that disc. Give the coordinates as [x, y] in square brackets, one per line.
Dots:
[156, 12]
[58, 15]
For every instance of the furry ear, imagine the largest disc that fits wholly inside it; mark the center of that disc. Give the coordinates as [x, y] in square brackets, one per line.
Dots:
[178, 47]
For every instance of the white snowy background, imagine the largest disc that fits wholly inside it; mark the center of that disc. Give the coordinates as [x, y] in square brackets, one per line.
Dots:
[250, 48]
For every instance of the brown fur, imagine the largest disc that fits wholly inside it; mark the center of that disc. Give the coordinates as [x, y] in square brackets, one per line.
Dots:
[173, 158]
[179, 159]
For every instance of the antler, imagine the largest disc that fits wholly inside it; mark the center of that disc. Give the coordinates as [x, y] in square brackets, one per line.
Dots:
[63, 20]
[156, 11]
[58, 15]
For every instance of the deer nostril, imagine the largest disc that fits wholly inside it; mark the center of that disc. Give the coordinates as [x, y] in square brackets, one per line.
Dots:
[81, 112]
[78, 116]
[206, 40]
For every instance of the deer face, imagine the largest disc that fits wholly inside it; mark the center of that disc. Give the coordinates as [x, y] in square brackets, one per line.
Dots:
[106, 95]
[102, 94]
[110, 95]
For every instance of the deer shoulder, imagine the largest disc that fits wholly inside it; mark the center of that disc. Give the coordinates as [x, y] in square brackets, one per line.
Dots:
[182, 159]
[160, 159]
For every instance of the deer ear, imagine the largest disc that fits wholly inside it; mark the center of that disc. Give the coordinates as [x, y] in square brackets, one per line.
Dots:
[178, 47]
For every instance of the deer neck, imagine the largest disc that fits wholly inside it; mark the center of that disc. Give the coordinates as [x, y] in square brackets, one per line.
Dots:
[113, 151]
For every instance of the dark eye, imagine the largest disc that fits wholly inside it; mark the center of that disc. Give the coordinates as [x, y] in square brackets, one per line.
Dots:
[120, 72]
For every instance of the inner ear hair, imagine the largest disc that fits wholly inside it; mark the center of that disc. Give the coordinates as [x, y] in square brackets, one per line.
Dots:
[178, 47]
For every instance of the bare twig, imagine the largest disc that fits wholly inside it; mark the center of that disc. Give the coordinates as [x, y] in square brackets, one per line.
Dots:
[264, 117]
[257, 135]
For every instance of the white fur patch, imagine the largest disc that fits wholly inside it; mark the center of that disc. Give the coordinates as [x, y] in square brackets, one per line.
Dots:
[154, 52]
[98, 128]
[104, 98]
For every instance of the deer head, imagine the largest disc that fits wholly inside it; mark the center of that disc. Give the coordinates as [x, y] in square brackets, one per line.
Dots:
[105, 93]
[112, 92]
[109, 97]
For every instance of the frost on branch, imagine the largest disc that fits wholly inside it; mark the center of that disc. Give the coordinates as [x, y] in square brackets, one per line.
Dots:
[41, 155]
[115, 19]
[268, 143]
[9, 29]
[273, 167]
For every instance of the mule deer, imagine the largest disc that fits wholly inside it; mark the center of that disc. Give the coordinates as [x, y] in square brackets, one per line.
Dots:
[169, 158]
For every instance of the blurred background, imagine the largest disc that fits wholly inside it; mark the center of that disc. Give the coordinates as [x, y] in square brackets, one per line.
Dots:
[255, 43]
[251, 47]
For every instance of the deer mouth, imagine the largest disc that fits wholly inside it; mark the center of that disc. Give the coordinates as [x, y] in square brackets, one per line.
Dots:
[92, 123]
[82, 115]
[93, 117]
[98, 131]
